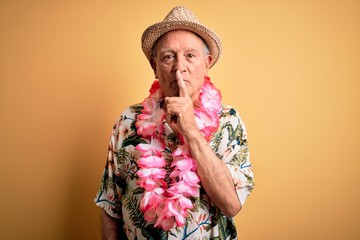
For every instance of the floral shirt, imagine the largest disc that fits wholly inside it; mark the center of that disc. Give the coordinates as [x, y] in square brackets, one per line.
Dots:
[120, 195]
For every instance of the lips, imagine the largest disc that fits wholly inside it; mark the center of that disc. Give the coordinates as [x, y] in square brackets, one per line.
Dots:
[185, 80]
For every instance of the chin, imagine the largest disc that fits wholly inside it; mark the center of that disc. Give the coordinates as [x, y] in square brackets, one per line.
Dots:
[174, 93]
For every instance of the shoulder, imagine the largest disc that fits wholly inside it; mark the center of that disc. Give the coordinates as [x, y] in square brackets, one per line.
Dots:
[127, 117]
[129, 113]
[228, 112]
[132, 111]
[230, 116]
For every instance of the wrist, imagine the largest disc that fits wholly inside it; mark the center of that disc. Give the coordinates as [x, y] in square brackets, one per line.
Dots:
[194, 136]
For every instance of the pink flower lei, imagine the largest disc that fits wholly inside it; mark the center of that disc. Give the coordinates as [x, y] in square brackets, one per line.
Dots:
[168, 187]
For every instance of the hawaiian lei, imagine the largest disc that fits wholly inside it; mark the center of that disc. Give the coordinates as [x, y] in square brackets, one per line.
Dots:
[167, 189]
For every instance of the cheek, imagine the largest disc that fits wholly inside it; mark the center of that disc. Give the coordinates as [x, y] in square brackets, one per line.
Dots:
[197, 88]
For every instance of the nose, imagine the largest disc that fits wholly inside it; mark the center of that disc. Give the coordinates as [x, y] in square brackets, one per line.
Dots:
[180, 64]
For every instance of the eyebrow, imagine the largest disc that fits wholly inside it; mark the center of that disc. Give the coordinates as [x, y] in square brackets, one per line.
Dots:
[171, 50]
[166, 50]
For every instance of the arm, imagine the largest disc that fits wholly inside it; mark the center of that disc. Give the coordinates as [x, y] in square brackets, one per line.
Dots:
[214, 175]
[111, 228]
[109, 192]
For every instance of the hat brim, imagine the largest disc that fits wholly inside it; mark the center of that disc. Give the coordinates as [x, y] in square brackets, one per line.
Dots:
[155, 31]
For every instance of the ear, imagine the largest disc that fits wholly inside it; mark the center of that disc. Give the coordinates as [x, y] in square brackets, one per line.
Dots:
[153, 66]
[208, 61]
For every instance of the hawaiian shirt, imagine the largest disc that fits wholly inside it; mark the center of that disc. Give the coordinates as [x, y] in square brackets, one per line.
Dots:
[120, 196]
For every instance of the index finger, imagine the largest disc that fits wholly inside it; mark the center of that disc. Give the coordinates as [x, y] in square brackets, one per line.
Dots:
[182, 87]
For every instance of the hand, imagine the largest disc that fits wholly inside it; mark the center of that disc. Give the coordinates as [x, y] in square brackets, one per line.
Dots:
[179, 110]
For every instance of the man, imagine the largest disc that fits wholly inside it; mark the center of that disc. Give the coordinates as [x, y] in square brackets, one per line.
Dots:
[178, 165]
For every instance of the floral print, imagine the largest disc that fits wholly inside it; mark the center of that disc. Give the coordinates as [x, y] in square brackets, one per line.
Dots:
[120, 195]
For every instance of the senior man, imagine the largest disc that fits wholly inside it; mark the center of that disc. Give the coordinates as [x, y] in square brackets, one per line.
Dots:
[178, 164]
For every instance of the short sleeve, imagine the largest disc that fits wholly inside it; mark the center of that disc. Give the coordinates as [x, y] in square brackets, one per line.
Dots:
[233, 150]
[110, 190]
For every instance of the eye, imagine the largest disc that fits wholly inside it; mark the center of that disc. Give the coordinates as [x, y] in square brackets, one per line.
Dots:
[168, 57]
[191, 56]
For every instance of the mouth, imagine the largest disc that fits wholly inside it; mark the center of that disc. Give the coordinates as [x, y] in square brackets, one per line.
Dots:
[175, 81]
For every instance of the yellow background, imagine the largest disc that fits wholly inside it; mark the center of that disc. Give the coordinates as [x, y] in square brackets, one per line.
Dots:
[291, 68]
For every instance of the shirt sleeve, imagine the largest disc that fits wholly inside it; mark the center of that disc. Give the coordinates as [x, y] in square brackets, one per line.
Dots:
[235, 153]
[110, 190]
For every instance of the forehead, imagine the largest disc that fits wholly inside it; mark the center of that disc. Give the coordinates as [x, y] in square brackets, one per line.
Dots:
[181, 38]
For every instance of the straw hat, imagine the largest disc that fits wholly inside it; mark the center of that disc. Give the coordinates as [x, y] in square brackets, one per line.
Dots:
[180, 18]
